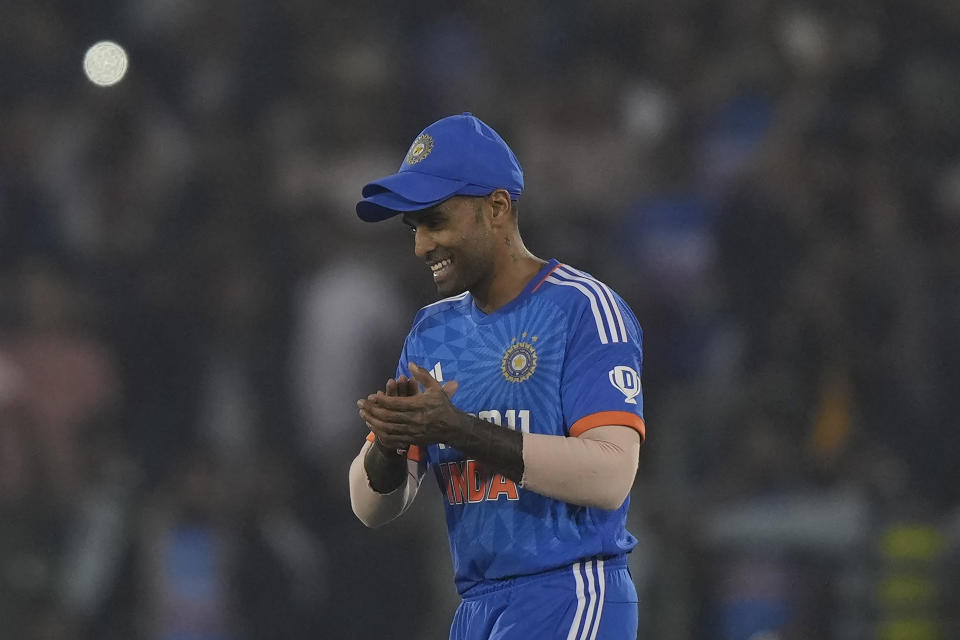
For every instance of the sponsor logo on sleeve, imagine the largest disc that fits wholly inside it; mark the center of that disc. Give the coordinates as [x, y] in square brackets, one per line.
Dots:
[627, 381]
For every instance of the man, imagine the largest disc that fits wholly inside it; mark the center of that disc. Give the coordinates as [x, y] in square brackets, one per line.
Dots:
[530, 412]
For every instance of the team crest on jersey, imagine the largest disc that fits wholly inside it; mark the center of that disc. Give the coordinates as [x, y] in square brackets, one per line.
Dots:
[520, 359]
[420, 148]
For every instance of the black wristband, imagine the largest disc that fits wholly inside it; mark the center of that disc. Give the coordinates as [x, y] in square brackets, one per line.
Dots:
[384, 449]
[385, 468]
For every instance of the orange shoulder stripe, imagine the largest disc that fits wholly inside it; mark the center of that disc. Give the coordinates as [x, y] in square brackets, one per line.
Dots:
[544, 278]
[604, 418]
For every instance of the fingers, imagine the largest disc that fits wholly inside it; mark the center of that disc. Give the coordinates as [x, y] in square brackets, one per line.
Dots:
[389, 433]
[416, 400]
[404, 387]
[423, 377]
[413, 387]
[398, 387]
[450, 388]
[401, 387]
[397, 419]
[398, 403]
[403, 415]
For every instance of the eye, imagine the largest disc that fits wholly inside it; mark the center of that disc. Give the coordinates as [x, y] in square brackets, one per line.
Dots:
[412, 230]
[433, 223]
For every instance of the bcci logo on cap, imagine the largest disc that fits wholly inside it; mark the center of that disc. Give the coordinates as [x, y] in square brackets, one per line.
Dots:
[520, 360]
[420, 148]
[627, 381]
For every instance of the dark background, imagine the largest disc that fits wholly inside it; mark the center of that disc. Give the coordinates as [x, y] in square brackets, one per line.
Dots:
[189, 307]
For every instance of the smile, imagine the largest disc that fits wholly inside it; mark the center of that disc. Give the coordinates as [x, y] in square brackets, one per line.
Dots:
[440, 268]
[437, 266]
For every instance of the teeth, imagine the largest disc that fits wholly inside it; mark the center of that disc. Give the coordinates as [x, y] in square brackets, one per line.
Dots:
[440, 265]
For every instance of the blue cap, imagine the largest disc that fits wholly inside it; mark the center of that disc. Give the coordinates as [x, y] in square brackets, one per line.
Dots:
[458, 155]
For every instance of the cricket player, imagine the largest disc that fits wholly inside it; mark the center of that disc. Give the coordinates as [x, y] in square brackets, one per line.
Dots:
[520, 390]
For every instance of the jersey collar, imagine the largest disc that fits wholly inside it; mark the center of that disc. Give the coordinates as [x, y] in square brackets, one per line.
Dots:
[528, 290]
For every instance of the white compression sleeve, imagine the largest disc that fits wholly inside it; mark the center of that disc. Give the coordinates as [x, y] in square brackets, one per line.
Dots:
[377, 509]
[596, 469]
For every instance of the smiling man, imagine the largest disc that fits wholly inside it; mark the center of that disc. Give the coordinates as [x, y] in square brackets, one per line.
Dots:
[520, 389]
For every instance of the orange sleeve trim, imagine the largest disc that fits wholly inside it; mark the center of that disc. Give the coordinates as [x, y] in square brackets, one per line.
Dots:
[605, 418]
[544, 278]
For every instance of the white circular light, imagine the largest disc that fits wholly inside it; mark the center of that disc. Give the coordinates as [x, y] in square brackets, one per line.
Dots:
[105, 63]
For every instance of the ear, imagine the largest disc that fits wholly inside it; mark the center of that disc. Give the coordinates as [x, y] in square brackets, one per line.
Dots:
[500, 210]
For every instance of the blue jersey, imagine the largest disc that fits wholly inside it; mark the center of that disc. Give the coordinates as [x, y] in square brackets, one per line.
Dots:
[561, 358]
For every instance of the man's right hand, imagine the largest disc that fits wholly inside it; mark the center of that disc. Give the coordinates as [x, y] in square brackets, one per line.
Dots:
[385, 464]
[401, 387]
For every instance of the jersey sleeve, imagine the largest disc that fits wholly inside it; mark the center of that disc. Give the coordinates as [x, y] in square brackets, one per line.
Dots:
[600, 383]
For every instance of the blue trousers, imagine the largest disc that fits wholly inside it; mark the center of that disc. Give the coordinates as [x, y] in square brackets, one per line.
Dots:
[593, 599]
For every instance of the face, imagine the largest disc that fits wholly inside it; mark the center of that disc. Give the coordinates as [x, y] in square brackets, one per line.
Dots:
[456, 241]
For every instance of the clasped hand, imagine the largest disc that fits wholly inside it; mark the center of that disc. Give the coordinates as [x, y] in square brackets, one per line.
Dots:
[403, 416]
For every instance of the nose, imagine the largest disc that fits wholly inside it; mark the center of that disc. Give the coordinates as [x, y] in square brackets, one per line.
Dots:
[423, 243]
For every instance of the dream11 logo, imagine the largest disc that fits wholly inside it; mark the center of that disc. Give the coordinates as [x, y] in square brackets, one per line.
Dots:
[627, 380]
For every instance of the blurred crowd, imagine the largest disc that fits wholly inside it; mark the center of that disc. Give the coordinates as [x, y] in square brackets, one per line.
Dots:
[189, 307]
